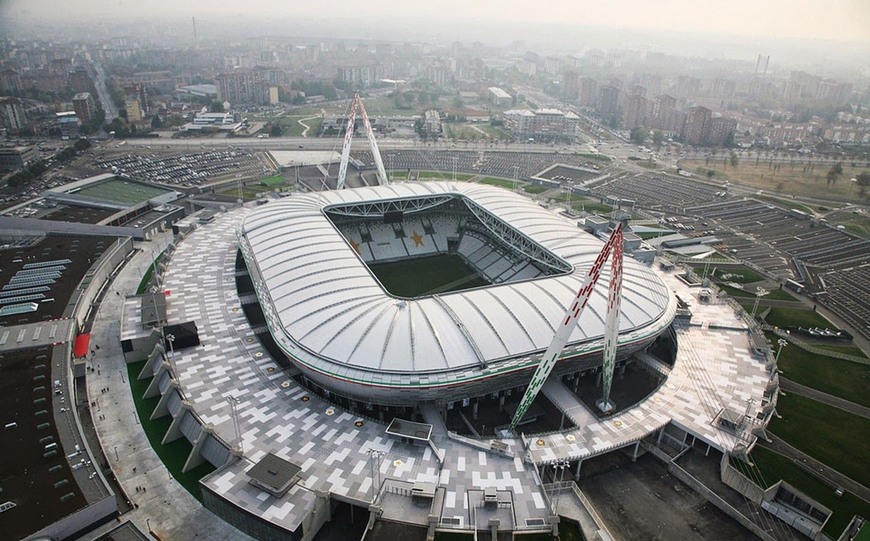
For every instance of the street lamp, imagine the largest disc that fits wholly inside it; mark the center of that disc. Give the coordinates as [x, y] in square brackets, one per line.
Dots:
[234, 412]
[759, 292]
[782, 343]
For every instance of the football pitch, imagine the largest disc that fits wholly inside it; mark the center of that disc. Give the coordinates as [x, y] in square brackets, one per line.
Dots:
[427, 276]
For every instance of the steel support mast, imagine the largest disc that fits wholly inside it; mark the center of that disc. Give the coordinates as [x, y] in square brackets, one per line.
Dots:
[355, 105]
[563, 333]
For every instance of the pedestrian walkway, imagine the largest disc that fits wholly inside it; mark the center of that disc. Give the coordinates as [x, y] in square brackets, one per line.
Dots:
[568, 403]
[825, 398]
[819, 469]
[160, 503]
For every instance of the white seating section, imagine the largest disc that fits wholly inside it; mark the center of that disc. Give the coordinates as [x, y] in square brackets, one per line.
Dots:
[427, 235]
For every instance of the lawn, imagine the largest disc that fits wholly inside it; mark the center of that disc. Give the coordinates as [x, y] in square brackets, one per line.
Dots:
[775, 294]
[174, 454]
[292, 127]
[848, 350]
[504, 183]
[774, 467]
[398, 175]
[535, 188]
[597, 157]
[463, 131]
[790, 178]
[443, 175]
[786, 203]
[737, 274]
[426, 276]
[587, 204]
[146, 278]
[248, 193]
[273, 180]
[826, 433]
[836, 377]
[789, 317]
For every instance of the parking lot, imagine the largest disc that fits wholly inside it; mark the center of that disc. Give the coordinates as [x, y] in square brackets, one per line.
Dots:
[185, 170]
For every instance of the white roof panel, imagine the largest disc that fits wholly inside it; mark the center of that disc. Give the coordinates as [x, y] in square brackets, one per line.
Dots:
[328, 302]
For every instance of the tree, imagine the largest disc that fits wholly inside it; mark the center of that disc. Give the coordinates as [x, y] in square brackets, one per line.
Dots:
[658, 137]
[216, 107]
[863, 180]
[275, 130]
[638, 135]
[734, 159]
[834, 174]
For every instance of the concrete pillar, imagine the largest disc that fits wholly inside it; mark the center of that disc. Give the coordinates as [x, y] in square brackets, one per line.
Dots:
[174, 431]
[501, 397]
[195, 457]
[474, 410]
[162, 408]
[577, 471]
[634, 452]
[598, 379]
[622, 371]
[154, 387]
[154, 359]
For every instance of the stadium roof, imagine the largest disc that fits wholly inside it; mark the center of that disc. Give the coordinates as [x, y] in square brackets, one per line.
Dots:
[327, 300]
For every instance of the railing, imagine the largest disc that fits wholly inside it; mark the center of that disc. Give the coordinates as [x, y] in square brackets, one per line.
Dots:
[817, 350]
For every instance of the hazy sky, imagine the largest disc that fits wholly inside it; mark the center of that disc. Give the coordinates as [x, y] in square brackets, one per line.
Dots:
[839, 20]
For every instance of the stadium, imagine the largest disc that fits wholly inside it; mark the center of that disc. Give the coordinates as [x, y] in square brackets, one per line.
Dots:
[323, 270]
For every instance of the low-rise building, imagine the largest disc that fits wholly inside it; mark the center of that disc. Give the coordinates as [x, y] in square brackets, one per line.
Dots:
[12, 158]
[543, 124]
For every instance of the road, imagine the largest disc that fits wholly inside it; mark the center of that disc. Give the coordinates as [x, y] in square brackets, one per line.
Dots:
[103, 92]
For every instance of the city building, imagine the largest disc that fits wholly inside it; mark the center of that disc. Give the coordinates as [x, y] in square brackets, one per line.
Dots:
[12, 158]
[84, 106]
[219, 121]
[720, 130]
[697, 121]
[546, 124]
[432, 122]
[499, 97]
[587, 91]
[12, 114]
[250, 85]
[361, 76]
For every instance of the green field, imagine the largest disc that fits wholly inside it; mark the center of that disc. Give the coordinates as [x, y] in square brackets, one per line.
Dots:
[443, 175]
[273, 180]
[738, 274]
[173, 454]
[836, 377]
[534, 188]
[826, 433]
[775, 294]
[774, 467]
[426, 276]
[597, 157]
[250, 192]
[586, 204]
[292, 128]
[121, 191]
[503, 182]
[789, 317]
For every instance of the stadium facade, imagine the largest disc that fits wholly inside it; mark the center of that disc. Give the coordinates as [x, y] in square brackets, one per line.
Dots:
[309, 259]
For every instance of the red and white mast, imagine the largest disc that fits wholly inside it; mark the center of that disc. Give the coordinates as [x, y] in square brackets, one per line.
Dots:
[355, 105]
[563, 333]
